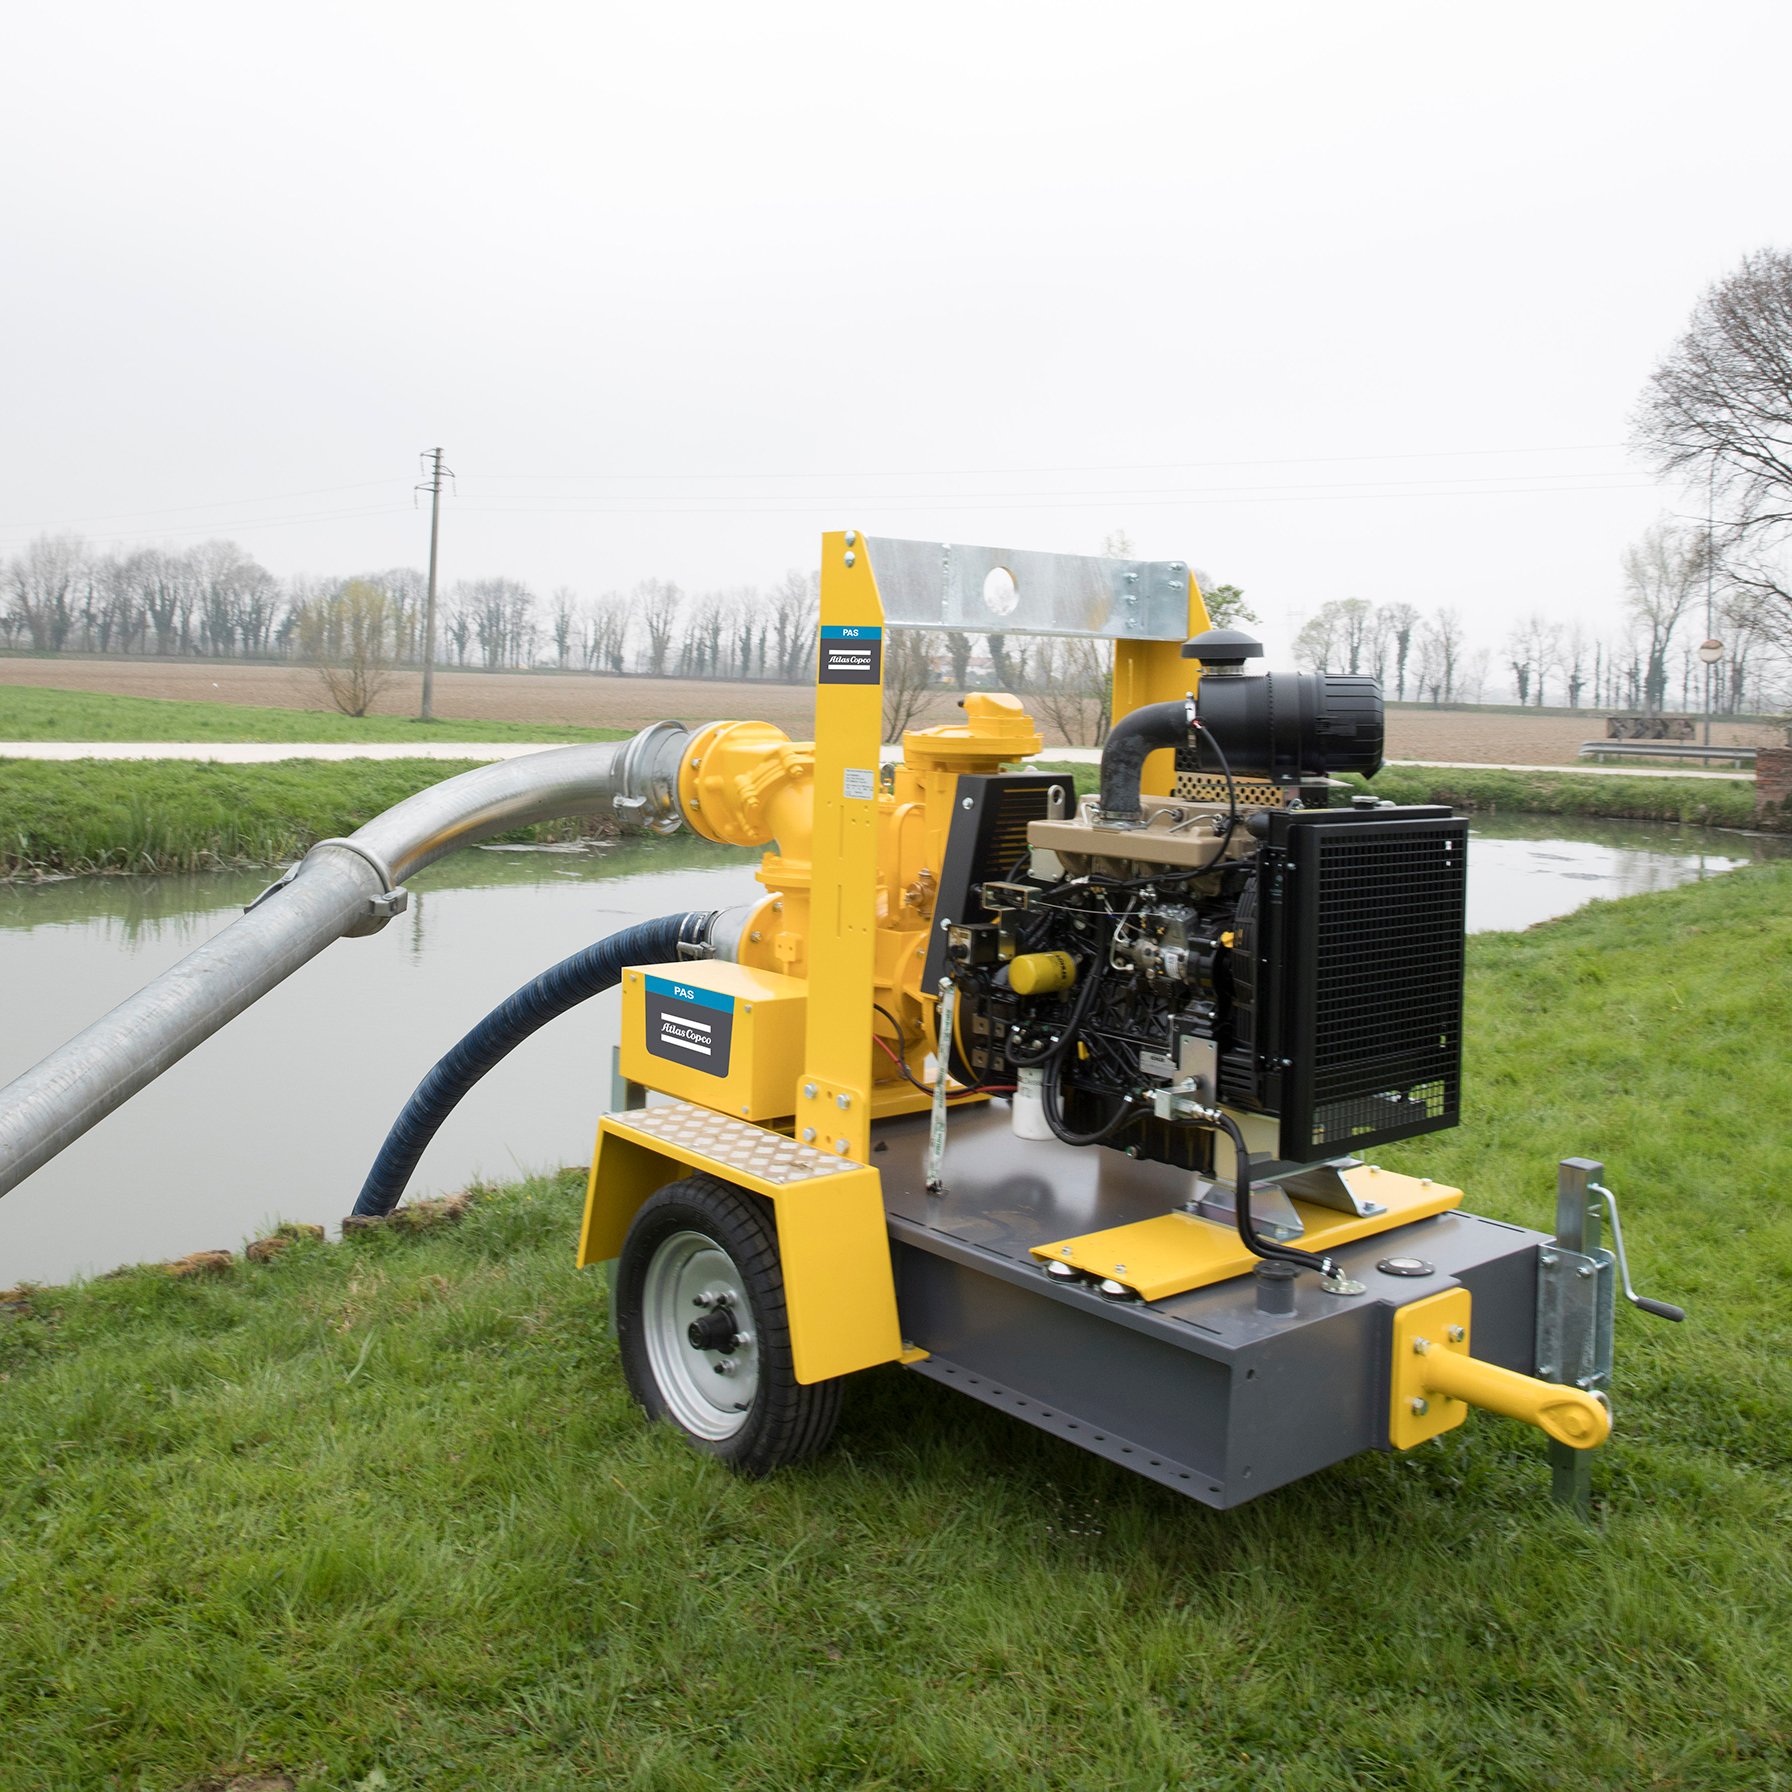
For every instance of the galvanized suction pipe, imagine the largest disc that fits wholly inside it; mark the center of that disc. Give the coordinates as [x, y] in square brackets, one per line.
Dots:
[340, 887]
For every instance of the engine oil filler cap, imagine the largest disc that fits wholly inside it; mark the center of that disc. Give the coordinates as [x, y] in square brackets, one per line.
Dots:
[1406, 1266]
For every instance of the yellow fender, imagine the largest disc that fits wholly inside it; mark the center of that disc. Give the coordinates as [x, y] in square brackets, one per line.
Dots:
[833, 1243]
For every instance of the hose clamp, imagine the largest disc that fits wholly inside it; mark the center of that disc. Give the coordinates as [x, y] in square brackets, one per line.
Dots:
[393, 898]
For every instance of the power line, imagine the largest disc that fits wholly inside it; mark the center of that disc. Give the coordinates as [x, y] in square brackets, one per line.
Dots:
[1294, 460]
[1115, 501]
[1117, 493]
[230, 523]
[112, 516]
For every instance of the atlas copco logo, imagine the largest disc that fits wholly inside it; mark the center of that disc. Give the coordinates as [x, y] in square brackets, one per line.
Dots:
[692, 1027]
[851, 655]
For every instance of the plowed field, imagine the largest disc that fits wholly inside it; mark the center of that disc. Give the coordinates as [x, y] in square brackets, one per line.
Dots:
[1471, 736]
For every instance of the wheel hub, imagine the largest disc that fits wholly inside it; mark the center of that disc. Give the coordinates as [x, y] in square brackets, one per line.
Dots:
[707, 1368]
[716, 1330]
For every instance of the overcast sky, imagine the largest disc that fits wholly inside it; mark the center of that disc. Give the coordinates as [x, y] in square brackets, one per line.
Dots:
[1333, 300]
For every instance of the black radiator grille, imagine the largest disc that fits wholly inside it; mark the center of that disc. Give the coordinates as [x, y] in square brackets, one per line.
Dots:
[1377, 1036]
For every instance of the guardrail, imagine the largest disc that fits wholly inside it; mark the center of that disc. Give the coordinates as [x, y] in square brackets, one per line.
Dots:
[1742, 757]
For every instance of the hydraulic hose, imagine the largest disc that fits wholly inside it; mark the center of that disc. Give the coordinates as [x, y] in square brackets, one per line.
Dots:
[1248, 1235]
[573, 980]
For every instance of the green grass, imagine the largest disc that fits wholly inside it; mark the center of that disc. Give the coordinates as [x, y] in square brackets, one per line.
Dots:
[382, 1508]
[1701, 802]
[28, 713]
[172, 815]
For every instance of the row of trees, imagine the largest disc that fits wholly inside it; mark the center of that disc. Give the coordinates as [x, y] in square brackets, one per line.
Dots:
[215, 601]
[1543, 660]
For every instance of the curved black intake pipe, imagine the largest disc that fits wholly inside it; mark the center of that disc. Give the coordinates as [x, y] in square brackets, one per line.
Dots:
[1283, 726]
[1131, 741]
[572, 981]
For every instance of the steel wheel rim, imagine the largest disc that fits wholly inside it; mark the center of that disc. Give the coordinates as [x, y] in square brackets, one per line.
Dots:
[686, 1277]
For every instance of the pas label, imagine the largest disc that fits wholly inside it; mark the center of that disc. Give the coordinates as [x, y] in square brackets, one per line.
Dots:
[692, 1027]
[851, 655]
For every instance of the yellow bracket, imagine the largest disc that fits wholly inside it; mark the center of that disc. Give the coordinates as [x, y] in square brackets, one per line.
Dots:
[1174, 1253]
[1436, 1381]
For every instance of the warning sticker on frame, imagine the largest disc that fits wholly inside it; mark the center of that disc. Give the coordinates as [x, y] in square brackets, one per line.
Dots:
[693, 1027]
[851, 655]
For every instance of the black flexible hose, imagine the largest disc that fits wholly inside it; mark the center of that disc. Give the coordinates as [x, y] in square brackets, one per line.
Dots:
[572, 981]
[1248, 1234]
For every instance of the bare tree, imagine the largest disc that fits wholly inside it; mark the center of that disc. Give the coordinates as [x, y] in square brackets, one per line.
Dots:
[168, 588]
[349, 639]
[795, 606]
[563, 617]
[1574, 662]
[1316, 644]
[1399, 621]
[1717, 412]
[1073, 687]
[1664, 573]
[909, 655]
[1010, 657]
[1533, 648]
[958, 651]
[1440, 656]
[407, 592]
[710, 619]
[657, 602]
[42, 583]
[606, 634]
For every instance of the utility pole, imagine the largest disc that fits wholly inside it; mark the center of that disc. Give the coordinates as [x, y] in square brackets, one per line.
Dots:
[435, 471]
[1710, 507]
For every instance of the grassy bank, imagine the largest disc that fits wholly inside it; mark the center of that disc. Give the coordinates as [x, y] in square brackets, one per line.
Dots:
[162, 815]
[382, 1508]
[28, 713]
[1702, 802]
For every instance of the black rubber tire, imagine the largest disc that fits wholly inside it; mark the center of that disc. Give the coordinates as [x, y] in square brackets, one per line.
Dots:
[787, 1420]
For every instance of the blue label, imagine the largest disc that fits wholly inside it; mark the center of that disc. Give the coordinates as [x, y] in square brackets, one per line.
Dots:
[685, 992]
[836, 632]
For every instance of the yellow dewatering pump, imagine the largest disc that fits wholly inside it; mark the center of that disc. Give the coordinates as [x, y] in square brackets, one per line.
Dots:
[749, 784]
[1038, 1096]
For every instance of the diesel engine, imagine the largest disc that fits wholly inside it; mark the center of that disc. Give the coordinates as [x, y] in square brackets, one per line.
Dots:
[1134, 968]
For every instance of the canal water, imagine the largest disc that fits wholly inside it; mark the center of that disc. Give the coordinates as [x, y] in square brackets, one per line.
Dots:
[277, 1117]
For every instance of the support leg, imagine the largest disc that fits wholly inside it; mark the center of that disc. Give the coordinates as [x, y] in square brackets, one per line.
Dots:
[1578, 1213]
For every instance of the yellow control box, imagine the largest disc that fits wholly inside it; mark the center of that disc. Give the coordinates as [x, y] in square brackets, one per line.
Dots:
[718, 1034]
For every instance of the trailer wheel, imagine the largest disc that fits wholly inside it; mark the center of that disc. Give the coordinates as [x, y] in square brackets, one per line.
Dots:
[705, 1339]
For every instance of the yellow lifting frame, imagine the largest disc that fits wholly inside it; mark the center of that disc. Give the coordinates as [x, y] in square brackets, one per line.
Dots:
[833, 1092]
[1155, 672]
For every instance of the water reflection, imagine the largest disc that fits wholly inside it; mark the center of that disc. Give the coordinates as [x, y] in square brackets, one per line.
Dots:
[280, 1114]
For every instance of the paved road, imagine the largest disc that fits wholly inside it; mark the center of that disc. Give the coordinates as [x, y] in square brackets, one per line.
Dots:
[266, 752]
